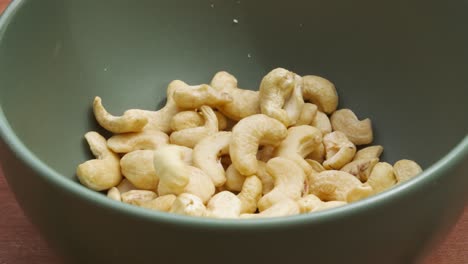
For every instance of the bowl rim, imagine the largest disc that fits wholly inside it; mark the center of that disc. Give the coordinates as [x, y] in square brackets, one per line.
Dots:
[7, 135]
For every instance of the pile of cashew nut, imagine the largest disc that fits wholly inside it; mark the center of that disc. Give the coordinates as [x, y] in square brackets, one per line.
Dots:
[216, 150]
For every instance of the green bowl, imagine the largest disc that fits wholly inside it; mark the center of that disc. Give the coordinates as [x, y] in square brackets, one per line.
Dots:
[401, 63]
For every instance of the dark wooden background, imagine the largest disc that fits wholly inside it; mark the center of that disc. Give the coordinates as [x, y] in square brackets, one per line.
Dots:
[20, 242]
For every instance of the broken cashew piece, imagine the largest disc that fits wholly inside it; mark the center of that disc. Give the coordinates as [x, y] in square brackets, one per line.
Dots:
[381, 177]
[128, 142]
[234, 180]
[358, 132]
[321, 92]
[285, 207]
[339, 150]
[295, 103]
[135, 197]
[244, 102]
[188, 204]
[308, 113]
[276, 87]
[171, 168]
[370, 152]
[103, 172]
[224, 204]
[138, 168]
[191, 136]
[248, 134]
[406, 169]
[161, 203]
[195, 96]
[250, 194]
[289, 182]
[361, 168]
[333, 185]
[322, 122]
[128, 122]
[207, 154]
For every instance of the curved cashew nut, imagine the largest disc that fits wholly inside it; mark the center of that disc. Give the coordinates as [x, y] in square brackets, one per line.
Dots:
[234, 180]
[128, 142]
[161, 203]
[295, 103]
[250, 194]
[381, 177]
[321, 92]
[358, 132]
[276, 87]
[195, 96]
[318, 154]
[339, 150]
[114, 194]
[285, 207]
[311, 203]
[136, 197]
[360, 168]
[308, 113]
[224, 204]
[207, 153]
[289, 182]
[191, 136]
[128, 122]
[268, 183]
[360, 192]
[186, 119]
[370, 152]
[138, 168]
[322, 122]
[171, 168]
[406, 169]
[103, 172]
[244, 102]
[248, 134]
[188, 204]
[333, 185]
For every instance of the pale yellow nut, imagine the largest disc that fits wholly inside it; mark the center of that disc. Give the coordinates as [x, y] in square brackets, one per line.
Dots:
[244, 102]
[125, 186]
[186, 119]
[268, 183]
[114, 194]
[222, 121]
[223, 205]
[265, 153]
[207, 154]
[289, 181]
[130, 121]
[318, 154]
[170, 167]
[250, 194]
[248, 134]
[315, 165]
[358, 132]
[188, 204]
[321, 92]
[195, 96]
[381, 177]
[162, 203]
[311, 203]
[295, 103]
[234, 180]
[285, 207]
[136, 197]
[370, 152]
[189, 137]
[322, 122]
[308, 113]
[339, 150]
[406, 169]
[360, 192]
[103, 172]
[329, 205]
[138, 168]
[128, 142]
[332, 185]
[361, 168]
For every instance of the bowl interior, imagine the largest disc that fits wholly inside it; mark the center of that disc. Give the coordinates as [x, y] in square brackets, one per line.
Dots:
[402, 64]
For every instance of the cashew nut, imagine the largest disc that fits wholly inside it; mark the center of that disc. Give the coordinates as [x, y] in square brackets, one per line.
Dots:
[308, 113]
[191, 119]
[114, 194]
[315, 165]
[248, 134]
[191, 136]
[333, 185]
[250, 194]
[295, 103]
[136, 197]
[171, 168]
[275, 88]
[128, 122]
[188, 204]
[318, 154]
[207, 154]
[285, 207]
[244, 102]
[321, 92]
[138, 168]
[359, 192]
[268, 183]
[311, 203]
[161, 203]
[360, 168]
[381, 177]
[234, 180]
[289, 182]
[128, 142]
[339, 150]
[406, 169]
[322, 122]
[224, 205]
[195, 96]
[125, 186]
[370, 152]
[358, 132]
[103, 172]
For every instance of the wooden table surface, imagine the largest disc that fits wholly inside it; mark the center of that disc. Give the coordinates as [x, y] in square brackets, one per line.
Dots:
[20, 242]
